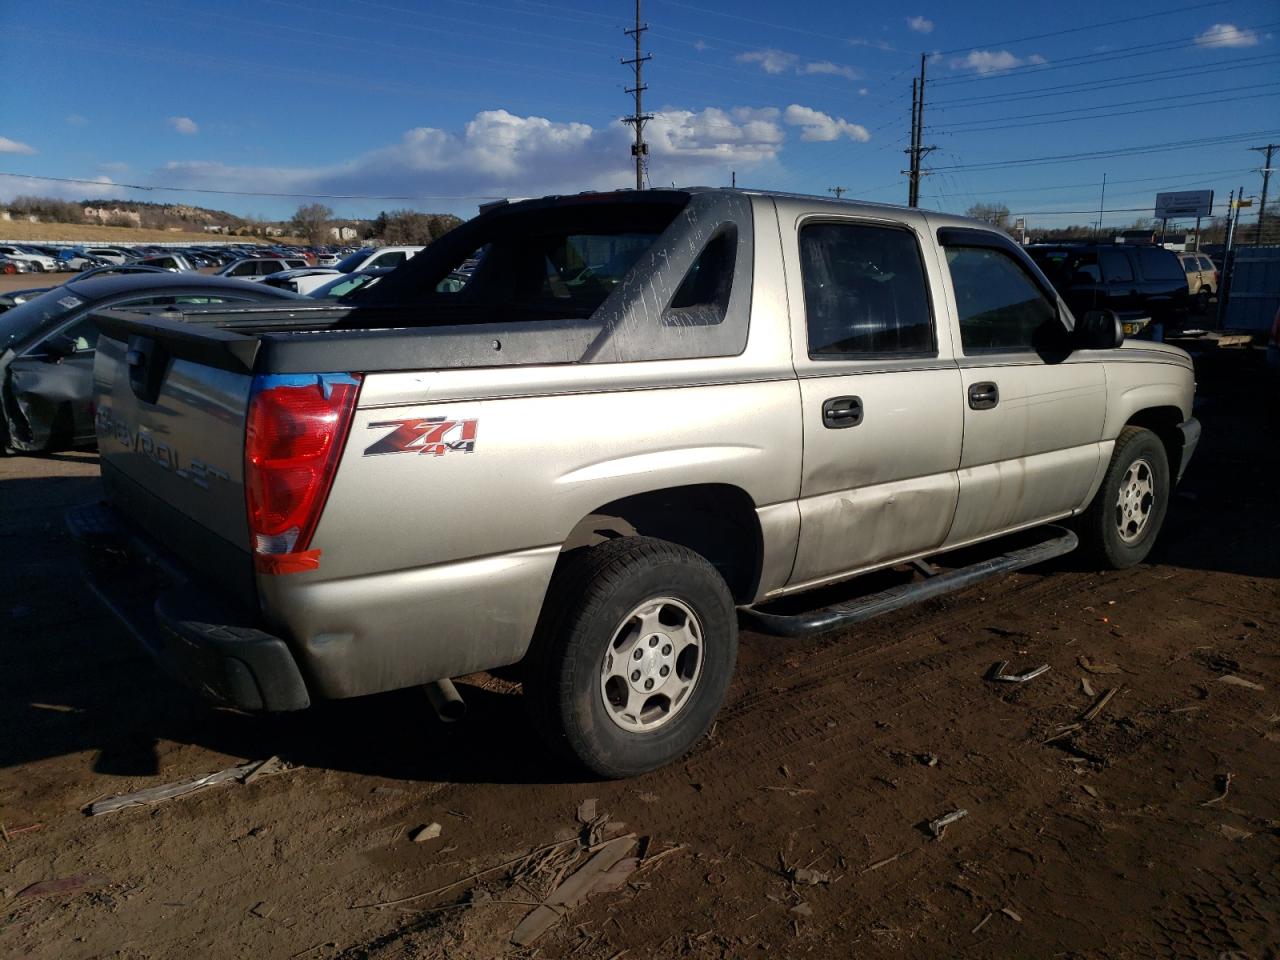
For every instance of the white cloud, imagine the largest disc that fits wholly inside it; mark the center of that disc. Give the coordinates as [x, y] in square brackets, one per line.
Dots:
[499, 153]
[920, 24]
[863, 91]
[816, 126]
[827, 67]
[15, 146]
[77, 120]
[184, 125]
[770, 61]
[1227, 35]
[774, 62]
[701, 45]
[994, 61]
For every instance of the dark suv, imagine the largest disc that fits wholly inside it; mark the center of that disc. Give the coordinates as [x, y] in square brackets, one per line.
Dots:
[1131, 279]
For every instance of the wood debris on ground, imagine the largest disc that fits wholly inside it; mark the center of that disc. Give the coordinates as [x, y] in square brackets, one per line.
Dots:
[244, 773]
[938, 826]
[429, 831]
[597, 874]
[1233, 681]
[49, 888]
[1097, 668]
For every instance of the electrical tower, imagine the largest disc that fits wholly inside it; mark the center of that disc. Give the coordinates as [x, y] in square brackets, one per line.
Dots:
[917, 151]
[838, 191]
[1266, 182]
[639, 149]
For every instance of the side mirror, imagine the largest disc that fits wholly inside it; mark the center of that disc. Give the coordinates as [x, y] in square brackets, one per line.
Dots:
[1099, 330]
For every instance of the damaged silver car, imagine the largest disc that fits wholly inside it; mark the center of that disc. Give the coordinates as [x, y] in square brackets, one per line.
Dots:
[47, 349]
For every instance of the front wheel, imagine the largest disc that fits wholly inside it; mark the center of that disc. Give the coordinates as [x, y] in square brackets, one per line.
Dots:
[1121, 524]
[633, 655]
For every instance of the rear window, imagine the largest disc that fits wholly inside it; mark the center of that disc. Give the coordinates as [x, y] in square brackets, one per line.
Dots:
[1157, 264]
[659, 275]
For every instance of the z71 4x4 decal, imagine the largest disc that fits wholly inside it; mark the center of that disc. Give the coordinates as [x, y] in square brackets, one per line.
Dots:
[434, 435]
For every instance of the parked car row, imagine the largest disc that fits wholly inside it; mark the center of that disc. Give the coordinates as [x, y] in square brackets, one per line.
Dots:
[48, 335]
[53, 258]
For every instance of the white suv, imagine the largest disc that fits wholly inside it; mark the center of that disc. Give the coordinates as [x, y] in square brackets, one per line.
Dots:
[255, 268]
[380, 257]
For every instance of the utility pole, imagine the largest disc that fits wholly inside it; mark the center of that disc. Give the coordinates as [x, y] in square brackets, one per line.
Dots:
[911, 150]
[1266, 181]
[838, 191]
[1102, 202]
[917, 151]
[639, 149]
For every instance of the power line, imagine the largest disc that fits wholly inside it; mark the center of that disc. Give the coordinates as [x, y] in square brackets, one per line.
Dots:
[1118, 152]
[1124, 80]
[965, 126]
[1120, 53]
[251, 193]
[1161, 14]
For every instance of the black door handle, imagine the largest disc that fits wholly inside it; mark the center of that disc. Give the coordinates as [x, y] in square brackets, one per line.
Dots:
[983, 396]
[841, 412]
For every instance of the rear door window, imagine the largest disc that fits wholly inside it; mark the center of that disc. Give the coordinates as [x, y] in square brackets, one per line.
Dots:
[865, 292]
[1157, 264]
[1115, 266]
[392, 259]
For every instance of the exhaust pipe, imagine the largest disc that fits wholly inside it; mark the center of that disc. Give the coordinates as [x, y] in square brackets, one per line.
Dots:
[445, 700]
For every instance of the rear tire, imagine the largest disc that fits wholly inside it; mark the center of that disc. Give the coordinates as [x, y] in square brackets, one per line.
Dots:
[1202, 302]
[1121, 524]
[633, 655]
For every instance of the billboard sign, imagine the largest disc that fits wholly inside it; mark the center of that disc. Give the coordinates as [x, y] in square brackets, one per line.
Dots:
[1184, 203]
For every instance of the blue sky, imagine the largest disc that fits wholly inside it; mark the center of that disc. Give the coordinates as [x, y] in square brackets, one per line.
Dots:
[450, 100]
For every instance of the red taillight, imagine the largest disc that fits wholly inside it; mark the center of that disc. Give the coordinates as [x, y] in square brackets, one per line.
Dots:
[296, 429]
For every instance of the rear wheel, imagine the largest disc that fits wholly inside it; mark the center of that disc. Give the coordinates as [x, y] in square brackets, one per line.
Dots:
[1121, 525]
[1202, 300]
[633, 655]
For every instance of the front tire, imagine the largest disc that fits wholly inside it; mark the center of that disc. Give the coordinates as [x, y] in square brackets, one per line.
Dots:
[633, 655]
[1120, 526]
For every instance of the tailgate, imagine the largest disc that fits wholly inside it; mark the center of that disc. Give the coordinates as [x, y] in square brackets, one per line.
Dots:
[170, 406]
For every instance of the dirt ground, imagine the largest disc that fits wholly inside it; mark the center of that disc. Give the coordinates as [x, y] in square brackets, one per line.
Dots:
[1151, 831]
[30, 281]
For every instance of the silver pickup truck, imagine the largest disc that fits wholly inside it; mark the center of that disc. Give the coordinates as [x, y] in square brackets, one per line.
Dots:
[642, 417]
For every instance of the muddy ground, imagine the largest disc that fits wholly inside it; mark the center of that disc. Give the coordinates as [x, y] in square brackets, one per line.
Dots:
[1115, 840]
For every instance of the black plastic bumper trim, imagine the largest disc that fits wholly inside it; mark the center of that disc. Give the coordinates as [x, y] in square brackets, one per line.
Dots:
[203, 641]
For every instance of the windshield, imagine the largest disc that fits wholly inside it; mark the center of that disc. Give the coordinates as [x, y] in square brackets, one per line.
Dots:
[347, 264]
[24, 319]
[342, 286]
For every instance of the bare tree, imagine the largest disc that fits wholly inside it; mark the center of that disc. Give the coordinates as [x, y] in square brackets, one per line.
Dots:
[312, 222]
[996, 214]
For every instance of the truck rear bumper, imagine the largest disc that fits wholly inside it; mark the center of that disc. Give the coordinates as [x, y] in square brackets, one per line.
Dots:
[201, 640]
